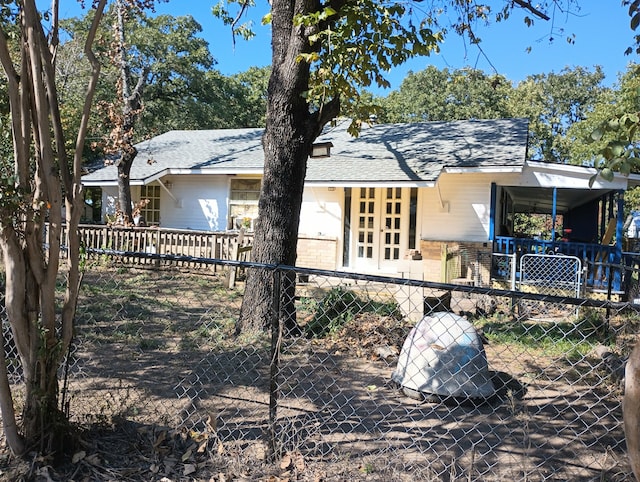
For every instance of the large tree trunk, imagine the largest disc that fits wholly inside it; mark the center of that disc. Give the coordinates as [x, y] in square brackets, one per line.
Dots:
[289, 134]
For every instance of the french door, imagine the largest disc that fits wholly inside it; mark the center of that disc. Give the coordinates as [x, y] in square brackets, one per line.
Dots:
[379, 227]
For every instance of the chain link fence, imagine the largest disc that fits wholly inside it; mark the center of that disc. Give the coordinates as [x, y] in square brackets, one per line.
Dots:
[157, 360]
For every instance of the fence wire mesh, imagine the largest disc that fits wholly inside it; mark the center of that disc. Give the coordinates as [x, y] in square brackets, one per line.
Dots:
[157, 358]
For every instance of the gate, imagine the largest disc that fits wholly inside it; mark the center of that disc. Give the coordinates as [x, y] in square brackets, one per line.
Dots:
[552, 274]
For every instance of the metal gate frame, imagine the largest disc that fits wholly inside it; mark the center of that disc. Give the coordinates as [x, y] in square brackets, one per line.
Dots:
[553, 274]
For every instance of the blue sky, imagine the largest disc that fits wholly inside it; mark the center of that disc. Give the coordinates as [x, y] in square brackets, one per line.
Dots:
[601, 30]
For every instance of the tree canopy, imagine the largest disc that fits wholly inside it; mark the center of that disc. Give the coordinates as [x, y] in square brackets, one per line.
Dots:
[553, 102]
[443, 95]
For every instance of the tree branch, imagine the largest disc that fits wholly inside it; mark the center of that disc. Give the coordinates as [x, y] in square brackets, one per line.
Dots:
[325, 114]
[532, 9]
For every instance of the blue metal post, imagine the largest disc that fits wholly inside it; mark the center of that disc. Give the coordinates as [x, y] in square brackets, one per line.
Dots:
[554, 211]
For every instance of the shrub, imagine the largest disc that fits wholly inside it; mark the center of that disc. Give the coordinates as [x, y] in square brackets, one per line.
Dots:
[339, 306]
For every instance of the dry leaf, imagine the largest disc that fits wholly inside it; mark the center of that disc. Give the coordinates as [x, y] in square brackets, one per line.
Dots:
[211, 423]
[220, 448]
[299, 462]
[285, 463]
[169, 464]
[78, 456]
[154, 468]
[93, 459]
[202, 447]
[187, 455]
[161, 438]
[189, 469]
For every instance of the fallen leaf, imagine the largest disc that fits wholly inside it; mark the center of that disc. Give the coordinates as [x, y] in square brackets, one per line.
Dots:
[187, 455]
[211, 423]
[154, 469]
[93, 459]
[189, 469]
[285, 463]
[44, 472]
[299, 462]
[202, 447]
[78, 456]
[161, 438]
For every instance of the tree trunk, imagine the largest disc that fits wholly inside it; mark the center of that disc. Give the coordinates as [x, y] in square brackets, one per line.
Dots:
[631, 409]
[42, 186]
[290, 131]
[131, 105]
[125, 207]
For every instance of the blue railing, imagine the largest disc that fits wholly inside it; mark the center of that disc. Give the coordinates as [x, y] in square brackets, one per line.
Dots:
[603, 263]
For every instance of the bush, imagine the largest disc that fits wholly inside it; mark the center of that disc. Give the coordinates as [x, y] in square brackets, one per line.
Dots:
[340, 306]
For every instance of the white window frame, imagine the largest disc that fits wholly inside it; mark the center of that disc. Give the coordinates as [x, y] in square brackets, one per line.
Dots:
[244, 194]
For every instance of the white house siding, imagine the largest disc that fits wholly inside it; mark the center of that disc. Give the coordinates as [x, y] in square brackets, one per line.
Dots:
[201, 202]
[457, 209]
[321, 213]
[192, 202]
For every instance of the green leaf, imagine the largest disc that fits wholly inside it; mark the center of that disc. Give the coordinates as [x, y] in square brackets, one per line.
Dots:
[635, 21]
[617, 148]
[597, 134]
[266, 20]
[613, 124]
[607, 174]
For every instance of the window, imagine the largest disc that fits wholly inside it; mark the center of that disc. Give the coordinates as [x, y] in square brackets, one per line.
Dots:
[92, 205]
[151, 211]
[243, 203]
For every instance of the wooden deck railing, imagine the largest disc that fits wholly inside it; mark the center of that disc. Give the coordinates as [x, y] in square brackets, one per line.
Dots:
[196, 244]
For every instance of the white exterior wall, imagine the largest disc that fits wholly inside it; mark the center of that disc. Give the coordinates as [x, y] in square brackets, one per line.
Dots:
[459, 208]
[201, 203]
[321, 213]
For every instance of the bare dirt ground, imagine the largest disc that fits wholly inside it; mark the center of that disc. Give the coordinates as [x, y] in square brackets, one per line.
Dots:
[161, 391]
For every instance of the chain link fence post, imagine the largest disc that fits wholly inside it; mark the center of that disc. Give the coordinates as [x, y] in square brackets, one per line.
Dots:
[276, 339]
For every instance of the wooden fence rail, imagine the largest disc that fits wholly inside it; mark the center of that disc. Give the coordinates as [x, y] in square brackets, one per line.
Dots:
[196, 244]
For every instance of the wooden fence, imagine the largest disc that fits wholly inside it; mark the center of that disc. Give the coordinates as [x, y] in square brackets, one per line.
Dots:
[313, 251]
[226, 245]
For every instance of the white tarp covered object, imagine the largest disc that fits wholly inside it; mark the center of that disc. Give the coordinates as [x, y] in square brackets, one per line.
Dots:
[444, 356]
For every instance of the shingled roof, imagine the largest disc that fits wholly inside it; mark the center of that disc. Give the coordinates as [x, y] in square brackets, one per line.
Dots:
[397, 153]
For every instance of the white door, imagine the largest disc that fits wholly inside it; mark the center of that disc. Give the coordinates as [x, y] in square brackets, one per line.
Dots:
[380, 228]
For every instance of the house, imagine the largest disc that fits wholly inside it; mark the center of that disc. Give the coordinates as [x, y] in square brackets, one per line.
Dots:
[434, 201]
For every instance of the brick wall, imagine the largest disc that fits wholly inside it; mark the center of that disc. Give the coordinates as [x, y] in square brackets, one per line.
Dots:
[318, 252]
[474, 260]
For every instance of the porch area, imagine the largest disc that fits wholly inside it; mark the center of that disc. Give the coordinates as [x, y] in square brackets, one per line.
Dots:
[590, 267]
